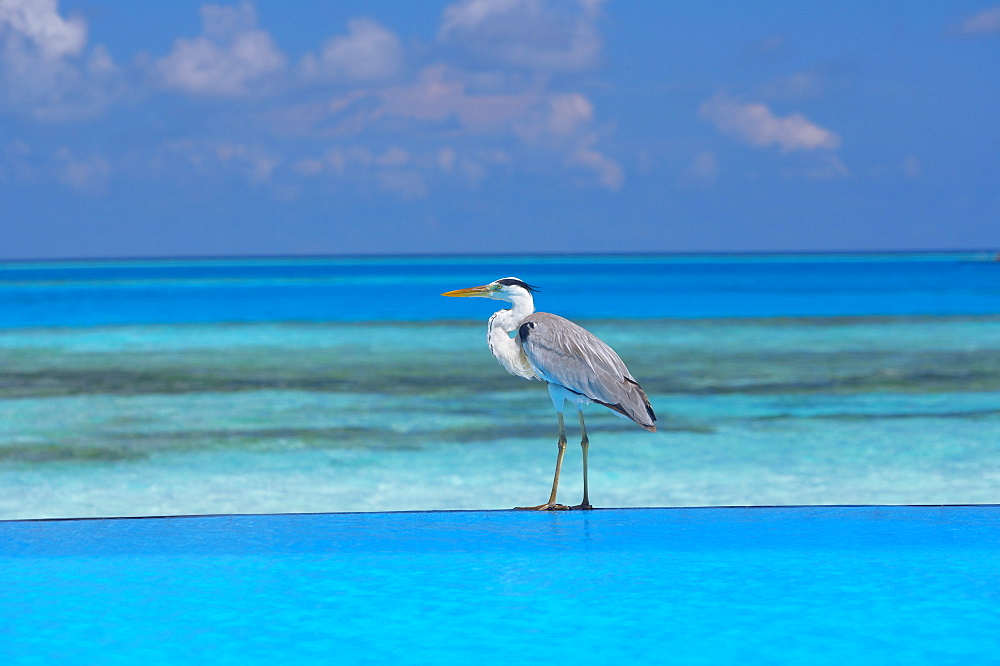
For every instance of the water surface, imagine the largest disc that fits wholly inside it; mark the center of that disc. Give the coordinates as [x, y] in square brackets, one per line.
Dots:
[158, 388]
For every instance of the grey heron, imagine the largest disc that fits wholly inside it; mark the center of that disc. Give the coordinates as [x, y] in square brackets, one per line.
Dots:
[577, 366]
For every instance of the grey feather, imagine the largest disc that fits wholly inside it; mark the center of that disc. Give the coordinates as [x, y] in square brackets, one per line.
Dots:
[566, 354]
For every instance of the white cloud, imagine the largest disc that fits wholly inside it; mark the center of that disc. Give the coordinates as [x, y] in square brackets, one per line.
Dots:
[368, 52]
[982, 24]
[569, 112]
[232, 59]
[253, 162]
[549, 125]
[756, 124]
[45, 67]
[536, 34]
[609, 173]
[440, 95]
[410, 129]
[40, 23]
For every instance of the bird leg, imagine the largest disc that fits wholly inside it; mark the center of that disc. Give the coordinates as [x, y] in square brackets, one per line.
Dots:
[585, 445]
[551, 504]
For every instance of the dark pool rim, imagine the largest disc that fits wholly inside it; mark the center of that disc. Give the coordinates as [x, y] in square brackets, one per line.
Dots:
[725, 507]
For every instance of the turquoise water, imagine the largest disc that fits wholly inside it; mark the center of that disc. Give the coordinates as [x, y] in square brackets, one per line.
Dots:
[811, 585]
[258, 386]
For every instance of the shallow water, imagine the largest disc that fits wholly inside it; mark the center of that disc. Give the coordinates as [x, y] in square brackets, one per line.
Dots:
[258, 417]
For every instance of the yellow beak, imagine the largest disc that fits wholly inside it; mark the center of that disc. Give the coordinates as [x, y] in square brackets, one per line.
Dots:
[483, 291]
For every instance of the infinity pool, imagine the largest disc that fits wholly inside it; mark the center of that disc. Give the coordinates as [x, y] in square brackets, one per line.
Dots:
[803, 585]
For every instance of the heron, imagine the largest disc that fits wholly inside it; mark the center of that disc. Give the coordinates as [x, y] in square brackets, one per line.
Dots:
[577, 366]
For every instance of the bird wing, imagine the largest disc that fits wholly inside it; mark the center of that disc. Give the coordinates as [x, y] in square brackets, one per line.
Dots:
[568, 355]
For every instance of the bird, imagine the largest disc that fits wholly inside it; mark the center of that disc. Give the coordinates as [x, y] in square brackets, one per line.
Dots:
[577, 366]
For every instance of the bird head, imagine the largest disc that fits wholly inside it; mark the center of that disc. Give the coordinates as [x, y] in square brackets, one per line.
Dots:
[507, 289]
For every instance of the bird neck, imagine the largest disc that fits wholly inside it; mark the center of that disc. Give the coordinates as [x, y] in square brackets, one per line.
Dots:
[509, 319]
[508, 350]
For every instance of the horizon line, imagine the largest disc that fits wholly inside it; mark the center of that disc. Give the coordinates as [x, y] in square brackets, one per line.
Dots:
[995, 253]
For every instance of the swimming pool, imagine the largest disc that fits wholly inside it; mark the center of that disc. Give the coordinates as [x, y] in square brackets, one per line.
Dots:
[813, 584]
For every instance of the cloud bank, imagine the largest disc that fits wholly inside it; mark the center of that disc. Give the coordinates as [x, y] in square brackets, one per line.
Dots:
[46, 70]
[361, 99]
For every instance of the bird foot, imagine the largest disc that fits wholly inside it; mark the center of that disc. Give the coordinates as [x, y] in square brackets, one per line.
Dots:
[551, 506]
[586, 506]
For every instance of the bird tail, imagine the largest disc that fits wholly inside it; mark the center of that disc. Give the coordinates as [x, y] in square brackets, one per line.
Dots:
[635, 406]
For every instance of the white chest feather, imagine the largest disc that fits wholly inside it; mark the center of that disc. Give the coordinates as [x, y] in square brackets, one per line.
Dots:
[506, 349]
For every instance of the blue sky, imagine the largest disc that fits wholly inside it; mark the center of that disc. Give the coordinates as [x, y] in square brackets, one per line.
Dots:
[273, 128]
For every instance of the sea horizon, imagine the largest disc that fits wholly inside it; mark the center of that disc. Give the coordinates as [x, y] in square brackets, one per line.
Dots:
[979, 253]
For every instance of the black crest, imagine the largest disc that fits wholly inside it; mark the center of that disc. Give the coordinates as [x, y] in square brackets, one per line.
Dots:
[510, 282]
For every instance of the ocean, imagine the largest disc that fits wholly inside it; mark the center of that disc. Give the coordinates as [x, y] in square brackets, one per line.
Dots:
[132, 388]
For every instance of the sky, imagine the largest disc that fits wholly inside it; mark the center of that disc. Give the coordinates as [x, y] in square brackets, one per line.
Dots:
[309, 127]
